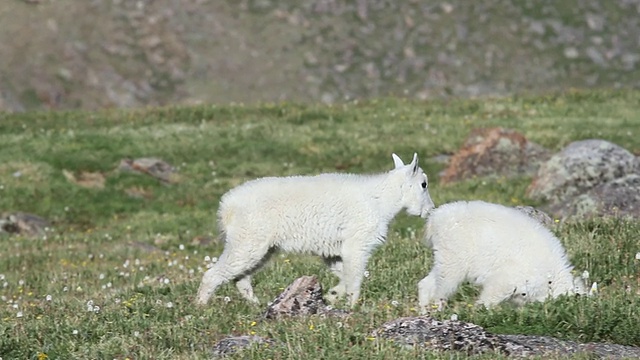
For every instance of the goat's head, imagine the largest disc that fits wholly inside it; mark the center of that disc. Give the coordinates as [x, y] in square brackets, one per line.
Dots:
[414, 187]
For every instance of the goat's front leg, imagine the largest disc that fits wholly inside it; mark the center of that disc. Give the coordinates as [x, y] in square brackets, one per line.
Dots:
[354, 264]
[338, 291]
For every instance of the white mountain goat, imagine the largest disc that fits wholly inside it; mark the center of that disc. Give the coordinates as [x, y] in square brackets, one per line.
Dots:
[511, 255]
[340, 217]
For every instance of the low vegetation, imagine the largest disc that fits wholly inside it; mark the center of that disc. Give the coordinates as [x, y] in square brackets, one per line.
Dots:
[116, 275]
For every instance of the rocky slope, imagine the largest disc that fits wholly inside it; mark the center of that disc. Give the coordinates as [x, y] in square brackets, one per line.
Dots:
[118, 53]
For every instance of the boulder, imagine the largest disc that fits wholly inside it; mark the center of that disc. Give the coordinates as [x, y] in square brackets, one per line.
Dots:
[494, 151]
[578, 168]
[302, 297]
[616, 198]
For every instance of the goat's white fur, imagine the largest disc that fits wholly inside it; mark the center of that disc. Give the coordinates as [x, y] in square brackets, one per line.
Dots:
[340, 217]
[511, 255]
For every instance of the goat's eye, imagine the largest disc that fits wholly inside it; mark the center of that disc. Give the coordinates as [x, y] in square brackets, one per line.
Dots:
[424, 184]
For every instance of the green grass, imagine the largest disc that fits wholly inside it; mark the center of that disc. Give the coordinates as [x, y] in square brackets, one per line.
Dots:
[136, 260]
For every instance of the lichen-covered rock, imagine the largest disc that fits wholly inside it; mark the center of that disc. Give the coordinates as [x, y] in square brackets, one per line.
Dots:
[302, 297]
[552, 347]
[472, 339]
[449, 335]
[578, 168]
[234, 344]
[616, 198]
[494, 151]
[23, 224]
[154, 167]
[537, 214]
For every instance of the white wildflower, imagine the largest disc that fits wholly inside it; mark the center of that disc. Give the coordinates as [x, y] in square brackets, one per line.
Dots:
[638, 256]
[227, 299]
[594, 289]
[454, 317]
[395, 303]
[19, 314]
[48, 297]
[585, 275]
[366, 274]
[75, 332]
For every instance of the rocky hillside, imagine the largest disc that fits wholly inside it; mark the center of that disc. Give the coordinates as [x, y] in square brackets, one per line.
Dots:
[124, 53]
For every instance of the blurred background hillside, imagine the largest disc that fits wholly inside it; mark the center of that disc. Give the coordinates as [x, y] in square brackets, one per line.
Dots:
[66, 54]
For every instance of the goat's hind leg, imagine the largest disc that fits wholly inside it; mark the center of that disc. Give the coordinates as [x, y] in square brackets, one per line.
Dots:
[235, 263]
[243, 284]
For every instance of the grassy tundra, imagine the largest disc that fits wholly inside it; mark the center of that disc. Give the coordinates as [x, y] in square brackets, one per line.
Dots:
[117, 277]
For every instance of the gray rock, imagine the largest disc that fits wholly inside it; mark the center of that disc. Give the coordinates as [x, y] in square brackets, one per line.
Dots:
[579, 167]
[616, 198]
[537, 214]
[472, 339]
[494, 151]
[234, 344]
[23, 224]
[302, 297]
[550, 346]
[449, 335]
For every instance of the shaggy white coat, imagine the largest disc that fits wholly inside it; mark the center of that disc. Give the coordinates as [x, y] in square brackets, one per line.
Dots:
[511, 255]
[340, 217]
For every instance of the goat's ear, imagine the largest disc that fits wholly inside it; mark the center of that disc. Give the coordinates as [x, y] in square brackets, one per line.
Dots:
[397, 161]
[414, 163]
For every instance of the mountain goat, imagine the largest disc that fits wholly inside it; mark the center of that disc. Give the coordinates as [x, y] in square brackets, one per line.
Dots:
[511, 255]
[340, 217]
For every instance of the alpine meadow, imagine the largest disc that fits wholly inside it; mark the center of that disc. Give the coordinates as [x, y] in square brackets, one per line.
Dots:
[116, 274]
